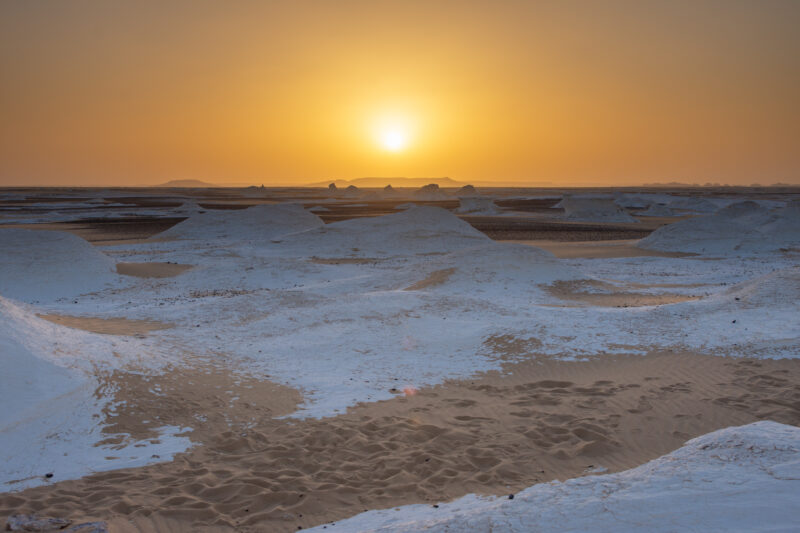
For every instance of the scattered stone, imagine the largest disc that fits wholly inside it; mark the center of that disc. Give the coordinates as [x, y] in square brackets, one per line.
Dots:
[31, 522]
[510, 496]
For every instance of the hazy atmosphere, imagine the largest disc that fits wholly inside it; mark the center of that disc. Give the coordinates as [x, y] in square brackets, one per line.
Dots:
[568, 93]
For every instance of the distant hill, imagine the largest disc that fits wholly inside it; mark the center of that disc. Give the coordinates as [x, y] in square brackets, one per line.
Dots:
[186, 184]
[394, 182]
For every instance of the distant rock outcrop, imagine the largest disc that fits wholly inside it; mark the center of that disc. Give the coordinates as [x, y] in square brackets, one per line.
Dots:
[593, 209]
[467, 190]
[477, 205]
[186, 184]
[430, 192]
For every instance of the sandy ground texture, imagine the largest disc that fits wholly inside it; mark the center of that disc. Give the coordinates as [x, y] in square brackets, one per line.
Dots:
[599, 249]
[107, 326]
[537, 421]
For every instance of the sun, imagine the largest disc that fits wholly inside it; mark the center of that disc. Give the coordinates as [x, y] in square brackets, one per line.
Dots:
[394, 139]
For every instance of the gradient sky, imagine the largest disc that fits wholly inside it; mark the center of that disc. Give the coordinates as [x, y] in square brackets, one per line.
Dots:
[610, 93]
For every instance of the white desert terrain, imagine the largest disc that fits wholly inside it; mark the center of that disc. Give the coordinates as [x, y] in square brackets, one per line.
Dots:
[399, 360]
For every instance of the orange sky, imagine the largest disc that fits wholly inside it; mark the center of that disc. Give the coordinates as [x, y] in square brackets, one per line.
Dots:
[610, 93]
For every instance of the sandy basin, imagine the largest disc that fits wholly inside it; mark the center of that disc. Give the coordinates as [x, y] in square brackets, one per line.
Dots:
[537, 421]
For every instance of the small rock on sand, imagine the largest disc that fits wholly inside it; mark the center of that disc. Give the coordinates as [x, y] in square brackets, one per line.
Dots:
[25, 522]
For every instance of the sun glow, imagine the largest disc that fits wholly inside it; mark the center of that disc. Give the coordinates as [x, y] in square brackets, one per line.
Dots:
[394, 140]
[393, 132]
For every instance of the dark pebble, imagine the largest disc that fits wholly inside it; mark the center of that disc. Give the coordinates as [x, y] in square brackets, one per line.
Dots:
[510, 496]
[48, 475]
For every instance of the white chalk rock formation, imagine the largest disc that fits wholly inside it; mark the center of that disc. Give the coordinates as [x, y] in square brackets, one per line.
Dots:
[743, 227]
[416, 230]
[257, 223]
[593, 209]
[47, 265]
[477, 205]
[657, 210]
[430, 193]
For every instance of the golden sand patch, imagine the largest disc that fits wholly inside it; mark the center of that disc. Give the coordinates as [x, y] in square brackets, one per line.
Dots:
[602, 294]
[107, 326]
[598, 249]
[152, 269]
[433, 279]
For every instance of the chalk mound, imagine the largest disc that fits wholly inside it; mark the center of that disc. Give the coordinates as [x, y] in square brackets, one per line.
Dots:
[711, 479]
[416, 230]
[254, 192]
[477, 205]
[29, 381]
[387, 193]
[467, 190]
[777, 289]
[257, 223]
[350, 192]
[639, 200]
[48, 265]
[430, 192]
[784, 223]
[742, 227]
[695, 205]
[510, 270]
[189, 207]
[657, 210]
[53, 401]
[594, 209]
